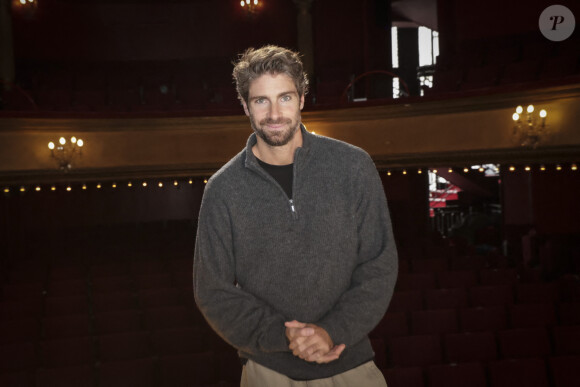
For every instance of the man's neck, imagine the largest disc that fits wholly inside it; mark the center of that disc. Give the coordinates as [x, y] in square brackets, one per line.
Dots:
[278, 155]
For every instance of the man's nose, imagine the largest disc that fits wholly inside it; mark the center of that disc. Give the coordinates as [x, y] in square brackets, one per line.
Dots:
[274, 111]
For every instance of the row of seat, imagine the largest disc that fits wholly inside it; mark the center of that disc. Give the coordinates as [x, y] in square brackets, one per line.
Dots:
[78, 367]
[472, 319]
[560, 371]
[421, 292]
[482, 346]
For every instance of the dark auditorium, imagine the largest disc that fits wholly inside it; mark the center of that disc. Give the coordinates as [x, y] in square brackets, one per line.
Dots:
[115, 115]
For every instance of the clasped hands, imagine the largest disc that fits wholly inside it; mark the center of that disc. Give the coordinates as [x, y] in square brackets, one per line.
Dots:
[311, 342]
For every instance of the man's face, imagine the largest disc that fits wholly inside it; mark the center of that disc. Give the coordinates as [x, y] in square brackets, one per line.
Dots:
[274, 108]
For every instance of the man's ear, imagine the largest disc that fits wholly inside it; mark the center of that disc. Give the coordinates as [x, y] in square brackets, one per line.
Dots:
[301, 101]
[245, 105]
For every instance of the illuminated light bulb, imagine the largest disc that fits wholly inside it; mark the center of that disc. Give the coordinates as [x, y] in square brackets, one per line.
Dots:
[516, 117]
[37, 188]
[73, 139]
[528, 168]
[558, 167]
[80, 143]
[114, 185]
[530, 109]
[22, 2]
[51, 145]
[6, 190]
[84, 187]
[129, 184]
[450, 170]
[22, 189]
[53, 188]
[465, 169]
[242, 3]
[144, 184]
[99, 186]
[255, 2]
[68, 188]
[434, 171]
[542, 168]
[389, 173]
[481, 169]
[512, 168]
[175, 183]
[160, 185]
[205, 181]
[519, 110]
[190, 181]
[574, 167]
[419, 171]
[62, 141]
[543, 113]
[404, 171]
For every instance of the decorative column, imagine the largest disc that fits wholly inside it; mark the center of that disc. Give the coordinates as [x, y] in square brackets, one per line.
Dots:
[6, 50]
[305, 38]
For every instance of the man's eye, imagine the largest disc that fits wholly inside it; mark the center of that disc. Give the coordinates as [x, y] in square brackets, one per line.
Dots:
[286, 98]
[260, 100]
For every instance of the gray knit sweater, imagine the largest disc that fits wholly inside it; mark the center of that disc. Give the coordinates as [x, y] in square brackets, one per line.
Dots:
[326, 256]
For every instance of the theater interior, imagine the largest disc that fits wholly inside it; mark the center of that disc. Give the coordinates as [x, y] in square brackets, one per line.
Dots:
[97, 230]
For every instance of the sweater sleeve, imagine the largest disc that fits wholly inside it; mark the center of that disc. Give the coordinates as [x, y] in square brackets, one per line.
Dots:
[365, 302]
[240, 318]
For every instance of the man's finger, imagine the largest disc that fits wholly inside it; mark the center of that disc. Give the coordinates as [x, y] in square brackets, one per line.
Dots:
[332, 355]
[294, 324]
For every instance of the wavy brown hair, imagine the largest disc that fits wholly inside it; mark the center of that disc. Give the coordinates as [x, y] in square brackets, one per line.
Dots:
[270, 59]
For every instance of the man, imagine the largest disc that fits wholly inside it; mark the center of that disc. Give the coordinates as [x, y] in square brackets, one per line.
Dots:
[295, 261]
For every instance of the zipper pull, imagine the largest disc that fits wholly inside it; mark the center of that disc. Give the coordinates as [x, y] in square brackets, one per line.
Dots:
[292, 206]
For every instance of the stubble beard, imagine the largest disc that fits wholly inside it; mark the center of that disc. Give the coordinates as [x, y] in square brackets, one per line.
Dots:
[279, 138]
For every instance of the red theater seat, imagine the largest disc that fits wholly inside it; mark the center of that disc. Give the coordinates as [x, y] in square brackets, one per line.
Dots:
[66, 326]
[65, 377]
[405, 301]
[117, 321]
[66, 352]
[188, 370]
[124, 346]
[524, 343]
[565, 371]
[567, 340]
[404, 377]
[521, 373]
[138, 372]
[470, 347]
[445, 298]
[457, 375]
[419, 351]
[490, 318]
[426, 322]
[491, 295]
[457, 279]
[532, 315]
[108, 302]
[179, 341]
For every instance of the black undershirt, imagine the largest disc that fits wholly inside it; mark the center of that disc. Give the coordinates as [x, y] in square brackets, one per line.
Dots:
[283, 174]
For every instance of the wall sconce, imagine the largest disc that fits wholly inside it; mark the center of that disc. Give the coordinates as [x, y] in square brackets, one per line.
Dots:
[64, 152]
[530, 129]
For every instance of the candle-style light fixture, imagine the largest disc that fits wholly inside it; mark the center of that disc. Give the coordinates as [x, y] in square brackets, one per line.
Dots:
[250, 6]
[530, 128]
[65, 151]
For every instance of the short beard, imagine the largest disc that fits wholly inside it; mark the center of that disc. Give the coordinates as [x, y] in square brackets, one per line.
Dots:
[280, 139]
